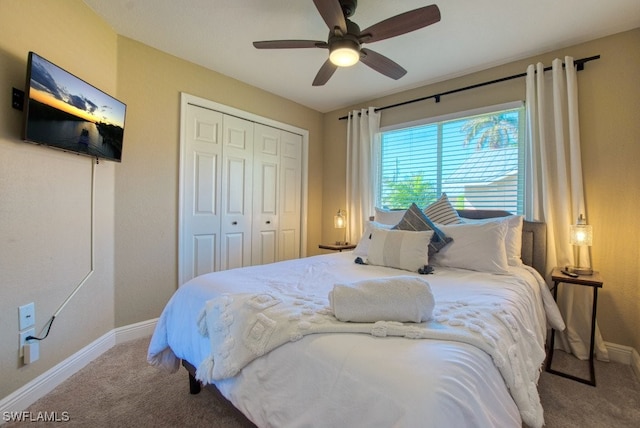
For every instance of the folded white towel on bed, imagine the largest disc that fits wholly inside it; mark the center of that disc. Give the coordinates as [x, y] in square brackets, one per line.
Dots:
[399, 298]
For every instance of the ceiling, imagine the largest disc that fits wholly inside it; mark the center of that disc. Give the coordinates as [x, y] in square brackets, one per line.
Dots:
[471, 36]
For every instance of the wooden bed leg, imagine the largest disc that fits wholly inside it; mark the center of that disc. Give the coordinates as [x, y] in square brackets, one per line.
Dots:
[194, 385]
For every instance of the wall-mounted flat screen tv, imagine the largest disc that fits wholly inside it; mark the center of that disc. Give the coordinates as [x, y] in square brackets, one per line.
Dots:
[64, 112]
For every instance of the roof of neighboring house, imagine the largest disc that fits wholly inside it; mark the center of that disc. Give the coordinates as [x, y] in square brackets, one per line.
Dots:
[485, 166]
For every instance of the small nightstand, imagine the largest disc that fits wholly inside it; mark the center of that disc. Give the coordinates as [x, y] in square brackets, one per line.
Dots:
[337, 247]
[594, 281]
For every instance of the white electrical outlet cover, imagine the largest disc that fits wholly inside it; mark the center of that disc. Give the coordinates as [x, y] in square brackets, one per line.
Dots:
[23, 339]
[31, 352]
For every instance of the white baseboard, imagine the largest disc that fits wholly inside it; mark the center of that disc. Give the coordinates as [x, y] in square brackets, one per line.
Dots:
[635, 363]
[619, 353]
[135, 331]
[47, 381]
[624, 355]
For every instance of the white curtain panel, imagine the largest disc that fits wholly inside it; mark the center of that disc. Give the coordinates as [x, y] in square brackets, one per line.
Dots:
[362, 162]
[554, 191]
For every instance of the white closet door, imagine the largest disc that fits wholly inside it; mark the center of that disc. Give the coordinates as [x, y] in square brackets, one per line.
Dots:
[266, 181]
[237, 172]
[290, 195]
[241, 189]
[200, 235]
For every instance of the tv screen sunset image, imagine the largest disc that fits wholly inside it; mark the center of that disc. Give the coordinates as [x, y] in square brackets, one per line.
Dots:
[67, 113]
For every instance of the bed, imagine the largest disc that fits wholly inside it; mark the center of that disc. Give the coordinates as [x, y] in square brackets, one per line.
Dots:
[268, 339]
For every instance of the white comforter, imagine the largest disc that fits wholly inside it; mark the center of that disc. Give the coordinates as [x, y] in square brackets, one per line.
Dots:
[352, 379]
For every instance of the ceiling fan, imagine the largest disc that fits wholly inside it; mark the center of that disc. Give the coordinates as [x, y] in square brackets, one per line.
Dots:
[346, 39]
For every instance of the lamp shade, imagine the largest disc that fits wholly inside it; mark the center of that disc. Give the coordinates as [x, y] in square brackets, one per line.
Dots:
[581, 233]
[339, 220]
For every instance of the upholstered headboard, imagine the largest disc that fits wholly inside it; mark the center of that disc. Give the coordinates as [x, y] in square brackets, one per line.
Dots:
[534, 237]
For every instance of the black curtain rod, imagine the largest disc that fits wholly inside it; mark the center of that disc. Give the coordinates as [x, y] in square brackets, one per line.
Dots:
[579, 63]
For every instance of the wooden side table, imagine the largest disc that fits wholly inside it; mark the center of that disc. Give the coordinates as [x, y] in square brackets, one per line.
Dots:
[337, 247]
[594, 281]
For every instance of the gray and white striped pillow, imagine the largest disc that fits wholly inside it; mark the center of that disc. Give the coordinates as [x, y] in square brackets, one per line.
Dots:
[442, 212]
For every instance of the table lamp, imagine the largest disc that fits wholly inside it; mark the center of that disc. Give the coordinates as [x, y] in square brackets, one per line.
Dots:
[340, 222]
[581, 235]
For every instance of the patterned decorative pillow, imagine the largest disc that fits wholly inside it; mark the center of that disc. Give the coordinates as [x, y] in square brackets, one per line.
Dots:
[416, 220]
[362, 249]
[442, 212]
[399, 249]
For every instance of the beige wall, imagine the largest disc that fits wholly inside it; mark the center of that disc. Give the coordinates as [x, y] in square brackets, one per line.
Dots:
[610, 135]
[45, 195]
[150, 82]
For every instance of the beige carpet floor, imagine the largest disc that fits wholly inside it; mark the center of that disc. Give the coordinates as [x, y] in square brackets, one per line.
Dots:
[119, 389]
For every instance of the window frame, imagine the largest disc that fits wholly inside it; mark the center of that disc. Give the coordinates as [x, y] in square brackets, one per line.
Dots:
[451, 117]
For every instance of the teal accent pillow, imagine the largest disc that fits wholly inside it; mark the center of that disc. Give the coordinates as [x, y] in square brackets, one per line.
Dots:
[416, 220]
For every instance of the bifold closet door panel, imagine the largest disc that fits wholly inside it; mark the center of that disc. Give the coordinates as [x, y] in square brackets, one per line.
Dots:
[266, 182]
[201, 213]
[290, 196]
[237, 191]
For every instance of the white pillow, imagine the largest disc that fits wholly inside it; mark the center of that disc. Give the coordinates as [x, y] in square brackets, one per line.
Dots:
[475, 246]
[363, 244]
[513, 240]
[400, 249]
[391, 217]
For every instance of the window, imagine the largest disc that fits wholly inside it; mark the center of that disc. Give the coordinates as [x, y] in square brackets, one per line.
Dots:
[477, 159]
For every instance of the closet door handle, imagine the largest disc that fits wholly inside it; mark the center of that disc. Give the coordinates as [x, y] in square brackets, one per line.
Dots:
[268, 221]
[234, 223]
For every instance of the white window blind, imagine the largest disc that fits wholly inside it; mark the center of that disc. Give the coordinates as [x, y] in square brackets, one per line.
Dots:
[477, 160]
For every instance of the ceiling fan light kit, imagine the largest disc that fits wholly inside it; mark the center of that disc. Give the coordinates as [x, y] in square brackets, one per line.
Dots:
[344, 53]
[345, 38]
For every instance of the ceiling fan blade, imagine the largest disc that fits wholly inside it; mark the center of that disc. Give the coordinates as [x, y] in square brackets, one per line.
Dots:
[331, 12]
[325, 73]
[381, 64]
[401, 24]
[290, 44]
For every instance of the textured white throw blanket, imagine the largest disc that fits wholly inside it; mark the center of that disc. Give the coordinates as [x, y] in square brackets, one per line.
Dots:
[242, 327]
[397, 298]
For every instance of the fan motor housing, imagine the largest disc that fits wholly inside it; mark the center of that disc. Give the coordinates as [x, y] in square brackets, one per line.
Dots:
[353, 32]
[348, 7]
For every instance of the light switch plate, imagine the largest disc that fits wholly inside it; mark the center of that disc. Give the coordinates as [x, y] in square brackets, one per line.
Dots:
[27, 314]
